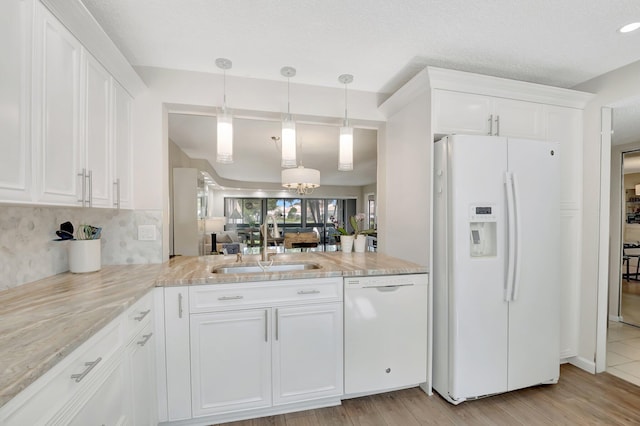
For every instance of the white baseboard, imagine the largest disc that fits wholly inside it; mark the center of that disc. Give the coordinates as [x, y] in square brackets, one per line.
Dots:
[583, 363]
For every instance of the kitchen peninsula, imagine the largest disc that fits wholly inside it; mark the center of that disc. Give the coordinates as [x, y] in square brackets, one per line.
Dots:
[45, 322]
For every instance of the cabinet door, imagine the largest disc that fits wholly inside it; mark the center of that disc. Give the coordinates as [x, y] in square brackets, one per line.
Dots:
[466, 113]
[176, 322]
[307, 352]
[122, 147]
[97, 136]
[519, 119]
[141, 363]
[230, 361]
[107, 405]
[56, 101]
[15, 63]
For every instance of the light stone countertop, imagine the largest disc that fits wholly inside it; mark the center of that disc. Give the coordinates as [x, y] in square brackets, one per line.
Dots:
[44, 321]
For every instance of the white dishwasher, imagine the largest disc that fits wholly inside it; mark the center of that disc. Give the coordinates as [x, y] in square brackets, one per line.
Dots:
[385, 332]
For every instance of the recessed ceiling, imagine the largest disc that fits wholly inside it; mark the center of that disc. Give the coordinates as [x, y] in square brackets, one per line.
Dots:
[257, 156]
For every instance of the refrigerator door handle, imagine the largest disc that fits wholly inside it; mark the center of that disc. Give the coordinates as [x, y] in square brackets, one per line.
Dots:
[518, 245]
[511, 237]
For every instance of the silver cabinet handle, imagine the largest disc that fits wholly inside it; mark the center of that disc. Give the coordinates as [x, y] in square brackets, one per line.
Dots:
[277, 323]
[497, 125]
[142, 315]
[266, 325]
[89, 365]
[230, 297]
[145, 339]
[90, 177]
[491, 125]
[179, 305]
[83, 177]
[116, 203]
[308, 291]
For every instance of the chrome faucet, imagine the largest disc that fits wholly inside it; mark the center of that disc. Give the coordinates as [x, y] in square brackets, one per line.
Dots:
[238, 257]
[265, 254]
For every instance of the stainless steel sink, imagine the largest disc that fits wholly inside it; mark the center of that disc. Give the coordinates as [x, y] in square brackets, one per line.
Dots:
[248, 268]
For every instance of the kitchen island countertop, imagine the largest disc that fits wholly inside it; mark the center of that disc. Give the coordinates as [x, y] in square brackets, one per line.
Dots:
[44, 321]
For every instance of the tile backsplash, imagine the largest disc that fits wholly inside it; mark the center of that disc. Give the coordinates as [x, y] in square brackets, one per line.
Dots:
[28, 252]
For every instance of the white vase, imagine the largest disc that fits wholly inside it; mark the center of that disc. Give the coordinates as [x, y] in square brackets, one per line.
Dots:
[360, 243]
[84, 256]
[346, 241]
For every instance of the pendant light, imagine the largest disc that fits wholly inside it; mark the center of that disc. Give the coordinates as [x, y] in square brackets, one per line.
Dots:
[345, 154]
[225, 120]
[288, 127]
[301, 180]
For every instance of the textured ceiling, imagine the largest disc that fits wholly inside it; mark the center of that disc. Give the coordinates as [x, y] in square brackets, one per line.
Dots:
[382, 43]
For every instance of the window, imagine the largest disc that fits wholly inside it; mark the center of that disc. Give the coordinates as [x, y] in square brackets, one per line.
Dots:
[291, 214]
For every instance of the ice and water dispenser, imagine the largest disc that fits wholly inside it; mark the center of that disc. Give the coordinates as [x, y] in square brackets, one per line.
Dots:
[482, 230]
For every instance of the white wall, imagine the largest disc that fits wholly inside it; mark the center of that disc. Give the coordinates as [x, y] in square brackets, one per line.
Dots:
[610, 88]
[404, 190]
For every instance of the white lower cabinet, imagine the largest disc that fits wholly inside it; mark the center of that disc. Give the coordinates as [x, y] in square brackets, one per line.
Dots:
[307, 352]
[253, 349]
[141, 366]
[230, 361]
[107, 406]
[103, 382]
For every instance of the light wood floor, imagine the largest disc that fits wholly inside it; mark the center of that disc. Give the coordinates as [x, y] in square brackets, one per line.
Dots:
[579, 398]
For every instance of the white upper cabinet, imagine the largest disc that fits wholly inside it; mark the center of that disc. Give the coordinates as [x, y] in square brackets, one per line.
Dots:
[97, 133]
[518, 119]
[15, 63]
[56, 111]
[122, 155]
[468, 113]
[457, 112]
[66, 122]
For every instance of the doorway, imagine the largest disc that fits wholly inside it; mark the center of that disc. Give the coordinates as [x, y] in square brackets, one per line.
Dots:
[629, 303]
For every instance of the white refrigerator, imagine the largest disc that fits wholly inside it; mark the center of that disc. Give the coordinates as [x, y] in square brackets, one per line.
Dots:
[496, 271]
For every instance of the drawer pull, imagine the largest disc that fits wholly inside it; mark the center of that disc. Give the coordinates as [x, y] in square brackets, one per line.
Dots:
[89, 365]
[308, 291]
[179, 305]
[145, 339]
[143, 314]
[230, 297]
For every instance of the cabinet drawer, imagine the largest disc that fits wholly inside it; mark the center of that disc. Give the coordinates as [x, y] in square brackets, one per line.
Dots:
[43, 398]
[139, 315]
[206, 298]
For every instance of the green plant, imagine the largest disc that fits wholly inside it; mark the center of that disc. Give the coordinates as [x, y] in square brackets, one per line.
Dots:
[357, 222]
[337, 226]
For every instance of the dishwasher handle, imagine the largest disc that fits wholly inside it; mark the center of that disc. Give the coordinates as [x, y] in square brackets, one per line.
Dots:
[386, 288]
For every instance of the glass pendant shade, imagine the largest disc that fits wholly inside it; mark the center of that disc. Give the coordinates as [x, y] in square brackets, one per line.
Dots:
[288, 142]
[302, 180]
[345, 155]
[225, 137]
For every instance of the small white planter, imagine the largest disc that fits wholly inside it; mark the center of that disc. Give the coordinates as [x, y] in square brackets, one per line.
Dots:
[360, 243]
[346, 242]
[84, 256]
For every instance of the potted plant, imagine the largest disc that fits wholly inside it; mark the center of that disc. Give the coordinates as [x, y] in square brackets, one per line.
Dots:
[346, 240]
[360, 241]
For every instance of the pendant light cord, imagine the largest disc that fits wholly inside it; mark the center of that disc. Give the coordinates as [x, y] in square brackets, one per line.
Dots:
[288, 99]
[346, 119]
[224, 92]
